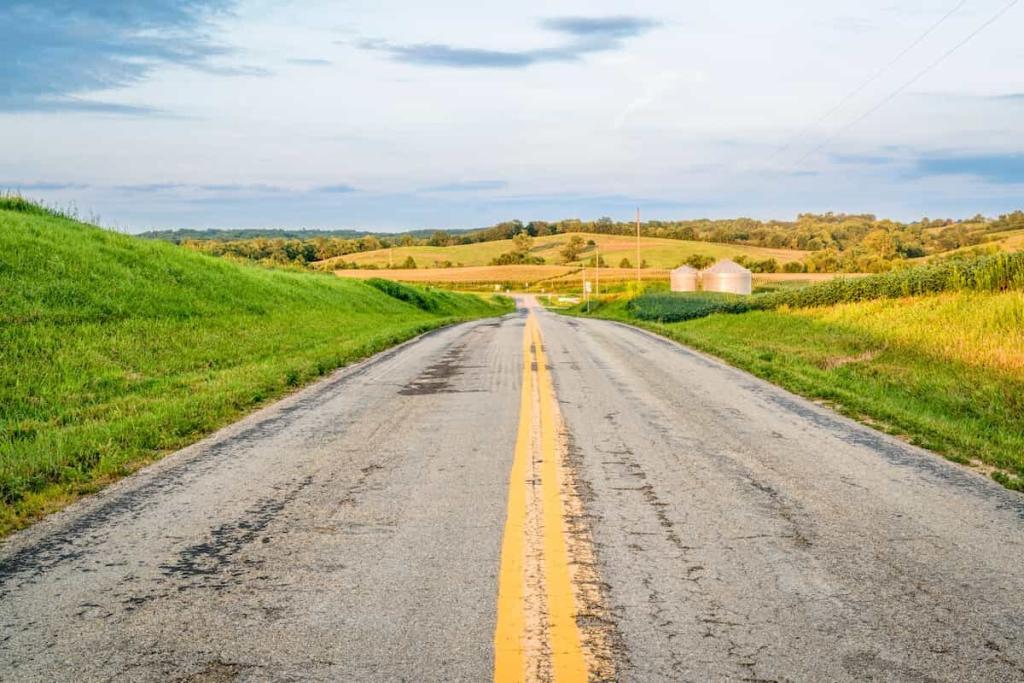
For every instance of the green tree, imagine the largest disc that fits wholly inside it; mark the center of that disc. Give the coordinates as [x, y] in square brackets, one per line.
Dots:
[699, 261]
[409, 263]
[624, 263]
[794, 267]
[440, 238]
[522, 244]
[571, 249]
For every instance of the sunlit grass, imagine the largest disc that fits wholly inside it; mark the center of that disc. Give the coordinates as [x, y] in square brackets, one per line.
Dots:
[945, 371]
[114, 350]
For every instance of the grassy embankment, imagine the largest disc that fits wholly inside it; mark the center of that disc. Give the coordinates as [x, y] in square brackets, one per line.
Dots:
[944, 370]
[115, 350]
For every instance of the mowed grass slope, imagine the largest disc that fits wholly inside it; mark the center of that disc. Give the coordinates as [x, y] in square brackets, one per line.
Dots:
[114, 350]
[945, 371]
[658, 252]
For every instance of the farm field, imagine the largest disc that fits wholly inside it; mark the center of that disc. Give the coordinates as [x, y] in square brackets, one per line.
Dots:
[114, 350]
[553, 278]
[515, 277]
[959, 392]
[1010, 241]
[658, 252]
[1007, 240]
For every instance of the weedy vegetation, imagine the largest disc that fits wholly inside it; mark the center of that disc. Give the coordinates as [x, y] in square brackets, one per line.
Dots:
[934, 356]
[115, 350]
[998, 272]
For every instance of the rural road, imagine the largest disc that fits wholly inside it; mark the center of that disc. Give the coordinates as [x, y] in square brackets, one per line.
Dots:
[528, 498]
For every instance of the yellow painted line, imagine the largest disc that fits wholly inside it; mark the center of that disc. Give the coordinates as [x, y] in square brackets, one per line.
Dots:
[567, 660]
[568, 663]
[509, 660]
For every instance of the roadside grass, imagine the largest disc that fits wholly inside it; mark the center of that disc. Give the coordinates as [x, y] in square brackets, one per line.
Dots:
[115, 350]
[945, 371]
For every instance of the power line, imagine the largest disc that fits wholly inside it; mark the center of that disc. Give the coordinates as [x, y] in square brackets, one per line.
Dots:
[918, 76]
[871, 79]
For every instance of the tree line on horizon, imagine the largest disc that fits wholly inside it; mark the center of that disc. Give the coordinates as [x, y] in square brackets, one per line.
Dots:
[835, 242]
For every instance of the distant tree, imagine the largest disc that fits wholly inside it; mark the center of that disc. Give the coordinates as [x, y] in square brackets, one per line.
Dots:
[880, 242]
[794, 267]
[624, 263]
[409, 263]
[439, 238]
[699, 261]
[522, 243]
[369, 243]
[538, 228]
[571, 249]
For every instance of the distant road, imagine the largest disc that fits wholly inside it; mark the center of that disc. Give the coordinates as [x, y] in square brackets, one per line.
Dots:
[520, 499]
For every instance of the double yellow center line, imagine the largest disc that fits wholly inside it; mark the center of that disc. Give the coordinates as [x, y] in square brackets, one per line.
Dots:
[536, 635]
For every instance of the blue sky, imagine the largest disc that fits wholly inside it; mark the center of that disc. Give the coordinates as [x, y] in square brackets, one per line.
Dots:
[391, 115]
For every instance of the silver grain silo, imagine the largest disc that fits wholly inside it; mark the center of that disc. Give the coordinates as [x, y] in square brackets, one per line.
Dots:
[727, 276]
[684, 279]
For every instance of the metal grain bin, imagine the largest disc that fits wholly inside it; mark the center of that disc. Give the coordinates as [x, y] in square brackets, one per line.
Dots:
[684, 279]
[727, 276]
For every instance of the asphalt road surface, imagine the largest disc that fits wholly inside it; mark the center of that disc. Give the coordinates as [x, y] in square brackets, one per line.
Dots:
[528, 498]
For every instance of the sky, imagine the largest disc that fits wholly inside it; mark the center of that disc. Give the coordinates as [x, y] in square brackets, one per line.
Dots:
[391, 115]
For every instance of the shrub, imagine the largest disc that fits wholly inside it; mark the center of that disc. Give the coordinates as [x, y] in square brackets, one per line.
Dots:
[419, 298]
[794, 267]
[672, 307]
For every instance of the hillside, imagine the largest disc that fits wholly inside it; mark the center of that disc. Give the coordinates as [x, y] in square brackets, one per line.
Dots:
[116, 349]
[658, 252]
[1010, 241]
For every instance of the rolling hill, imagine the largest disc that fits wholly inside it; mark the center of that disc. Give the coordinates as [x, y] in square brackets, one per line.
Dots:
[114, 349]
[658, 252]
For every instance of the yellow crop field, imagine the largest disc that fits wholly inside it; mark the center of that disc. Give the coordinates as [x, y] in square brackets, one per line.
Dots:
[519, 276]
[658, 252]
[550, 278]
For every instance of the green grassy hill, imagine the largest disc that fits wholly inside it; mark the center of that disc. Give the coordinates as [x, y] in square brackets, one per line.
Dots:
[658, 252]
[114, 350]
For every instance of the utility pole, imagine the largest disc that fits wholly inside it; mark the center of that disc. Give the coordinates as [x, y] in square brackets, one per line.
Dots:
[597, 271]
[638, 245]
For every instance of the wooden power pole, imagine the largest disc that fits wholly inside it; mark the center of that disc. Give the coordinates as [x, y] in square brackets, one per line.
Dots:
[638, 245]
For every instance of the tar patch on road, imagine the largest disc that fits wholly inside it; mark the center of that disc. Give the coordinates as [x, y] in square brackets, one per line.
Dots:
[437, 378]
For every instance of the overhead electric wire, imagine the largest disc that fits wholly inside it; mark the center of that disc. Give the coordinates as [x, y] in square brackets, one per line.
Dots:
[920, 74]
[871, 79]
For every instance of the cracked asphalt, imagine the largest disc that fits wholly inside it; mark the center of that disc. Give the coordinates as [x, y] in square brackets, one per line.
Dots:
[353, 532]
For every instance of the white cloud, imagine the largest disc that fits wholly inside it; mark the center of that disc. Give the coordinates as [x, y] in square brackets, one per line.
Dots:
[688, 113]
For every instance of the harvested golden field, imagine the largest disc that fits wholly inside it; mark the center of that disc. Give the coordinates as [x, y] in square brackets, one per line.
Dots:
[521, 275]
[658, 252]
[616, 275]
[551, 278]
